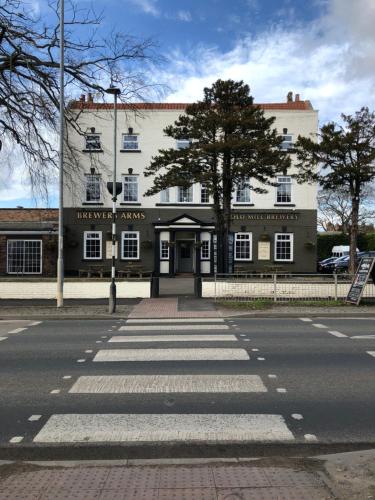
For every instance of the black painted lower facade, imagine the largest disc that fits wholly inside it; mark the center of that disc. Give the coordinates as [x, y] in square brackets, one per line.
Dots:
[171, 241]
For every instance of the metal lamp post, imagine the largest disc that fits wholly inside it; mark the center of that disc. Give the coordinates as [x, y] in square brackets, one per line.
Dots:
[60, 258]
[114, 189]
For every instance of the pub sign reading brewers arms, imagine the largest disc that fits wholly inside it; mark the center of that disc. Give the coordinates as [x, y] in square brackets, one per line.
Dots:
[84, 215]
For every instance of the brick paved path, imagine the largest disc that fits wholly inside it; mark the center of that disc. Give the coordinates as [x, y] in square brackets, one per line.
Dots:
[167, 482]
[167, 308]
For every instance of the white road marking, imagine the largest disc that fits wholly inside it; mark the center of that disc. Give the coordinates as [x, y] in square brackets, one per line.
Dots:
[261, 359]
[176, 320]
[171, 327]
[319, 325]
[16, 439]
[360, 337]
[194, 354]
[242, 334]
[247, 340]
[35, 323]
[99, 342]
[307, 320]
[55, 391]
[34, 418]
[272, 376]
[372, 353]
[81, 428]
[255, 350]
[3, 338]
[17, 330]
[67, 377]
[174, 338]
[337, 334]
[104, 336]
[310, 437]
[89, 351]
[81, 360]
[282, 390]
[151, 384]
[297, 416]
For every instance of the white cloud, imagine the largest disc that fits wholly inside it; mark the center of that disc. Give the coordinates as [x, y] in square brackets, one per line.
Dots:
[327, 61]
[184, 15]
[147, 6]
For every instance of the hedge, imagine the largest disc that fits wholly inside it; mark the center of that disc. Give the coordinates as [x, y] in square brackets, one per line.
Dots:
[325, 242]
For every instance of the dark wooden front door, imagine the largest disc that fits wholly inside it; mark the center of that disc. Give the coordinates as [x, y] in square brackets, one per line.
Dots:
[185, 253]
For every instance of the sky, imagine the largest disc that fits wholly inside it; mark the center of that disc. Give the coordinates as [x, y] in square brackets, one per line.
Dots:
[323, 50]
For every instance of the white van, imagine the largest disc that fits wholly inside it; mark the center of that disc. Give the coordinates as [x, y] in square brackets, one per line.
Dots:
[341, 250]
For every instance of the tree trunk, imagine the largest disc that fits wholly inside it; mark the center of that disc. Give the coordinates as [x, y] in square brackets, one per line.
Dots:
[227, 212]
[353, 235]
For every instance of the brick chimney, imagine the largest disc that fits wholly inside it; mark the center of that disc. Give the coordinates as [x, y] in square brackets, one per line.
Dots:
[89, 97]
[297, 98]
[289, 97]
[82, 98]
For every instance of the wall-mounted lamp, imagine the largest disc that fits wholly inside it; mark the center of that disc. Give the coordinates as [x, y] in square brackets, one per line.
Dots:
[130, 130]
[92, 170]
[92, 130]
[130, 170]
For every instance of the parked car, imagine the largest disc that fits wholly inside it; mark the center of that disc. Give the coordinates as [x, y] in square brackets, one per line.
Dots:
[325, 262]
[342, 266]
[329, 267]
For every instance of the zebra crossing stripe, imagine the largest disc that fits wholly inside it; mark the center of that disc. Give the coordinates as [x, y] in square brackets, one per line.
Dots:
[176, 320]
[174, 338]
[183, 354]
[217, 428]
[171, 327]
[152, 384]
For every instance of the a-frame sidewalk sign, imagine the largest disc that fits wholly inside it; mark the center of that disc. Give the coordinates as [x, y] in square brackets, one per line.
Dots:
[365, 269]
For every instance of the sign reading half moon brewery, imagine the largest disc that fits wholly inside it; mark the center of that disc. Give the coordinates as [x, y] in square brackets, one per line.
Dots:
[266, 216]
[104, 215]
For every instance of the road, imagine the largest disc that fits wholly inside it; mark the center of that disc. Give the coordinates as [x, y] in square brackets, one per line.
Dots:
[201, 386]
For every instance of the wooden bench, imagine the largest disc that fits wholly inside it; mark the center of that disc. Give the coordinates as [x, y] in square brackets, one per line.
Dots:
[133, 270]
[92, 271]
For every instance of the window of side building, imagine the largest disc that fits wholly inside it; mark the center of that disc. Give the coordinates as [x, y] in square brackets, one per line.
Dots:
[130, 188]
[205, 196]
[284, 247]
[93, 188]
[287, 141]
[92, 247]
[183, 143]
[130, 245]
[284, 189]
[24, 256]
[243, 246]
[243, 192]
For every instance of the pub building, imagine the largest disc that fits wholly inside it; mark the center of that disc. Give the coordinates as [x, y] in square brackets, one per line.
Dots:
[173, 232]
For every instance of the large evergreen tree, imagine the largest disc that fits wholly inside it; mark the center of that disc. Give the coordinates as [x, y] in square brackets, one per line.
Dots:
[346, 157]
[231, 144]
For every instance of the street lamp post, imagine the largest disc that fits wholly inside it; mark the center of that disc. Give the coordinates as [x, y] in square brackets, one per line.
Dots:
[114, 189]
[60, 258]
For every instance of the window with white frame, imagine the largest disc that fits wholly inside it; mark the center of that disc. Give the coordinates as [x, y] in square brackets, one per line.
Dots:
[92, 142]
[93, 191]
[92, 247]
[287, 142]
[284, 247]
[243, 246]
[24, 256]
[165, 196]
[185, 194]
[284, 189]
[183, 143]
[130, 188]
[130, 142]
[243, 192]
[164, 249]
[205, 196]
[130, 245]
[205, 250]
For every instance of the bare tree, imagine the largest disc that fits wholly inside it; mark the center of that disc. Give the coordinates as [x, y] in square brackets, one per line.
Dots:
[335, 209]
[29, 76]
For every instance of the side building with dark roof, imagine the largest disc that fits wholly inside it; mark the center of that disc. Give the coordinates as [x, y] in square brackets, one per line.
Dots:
[28, 241]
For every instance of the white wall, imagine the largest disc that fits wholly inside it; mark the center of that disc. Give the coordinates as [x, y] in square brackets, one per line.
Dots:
[149, 125]
[72, 289]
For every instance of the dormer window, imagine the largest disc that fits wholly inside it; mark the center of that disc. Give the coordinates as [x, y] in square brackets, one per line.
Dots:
[130, 142]
[92, 142]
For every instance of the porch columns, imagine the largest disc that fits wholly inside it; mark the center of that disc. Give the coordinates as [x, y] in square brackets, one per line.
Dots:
[172, 253]
[197, 253]
[157, 253]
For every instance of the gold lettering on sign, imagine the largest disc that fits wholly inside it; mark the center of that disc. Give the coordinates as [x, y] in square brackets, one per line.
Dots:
[265, 216]
[98, 215]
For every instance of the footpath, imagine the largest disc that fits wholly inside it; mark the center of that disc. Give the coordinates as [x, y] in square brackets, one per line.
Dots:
[172, 307]
[347, 476]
